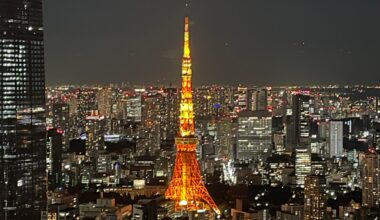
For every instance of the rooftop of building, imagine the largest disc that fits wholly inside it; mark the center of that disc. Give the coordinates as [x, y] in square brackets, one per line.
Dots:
[258, 113]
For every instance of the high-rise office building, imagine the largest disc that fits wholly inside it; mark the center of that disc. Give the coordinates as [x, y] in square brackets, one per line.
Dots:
[260, 100]
[86, 102]
[290, 139]
[22, 110]
[322, 148]
[303, 166]
[302, 108]
[151, 122]
[242, 99]
[370, 178]
[254, 135]
[279, 142]
[134, 109]
[105, 100]
[95, 126]
[225, 136]
[315, 204]
[204, 99]
[61, 120]
[336, 138]
[54, 157]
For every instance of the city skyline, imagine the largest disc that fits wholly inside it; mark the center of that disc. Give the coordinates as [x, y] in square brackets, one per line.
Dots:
[225, 142]
[255, 42]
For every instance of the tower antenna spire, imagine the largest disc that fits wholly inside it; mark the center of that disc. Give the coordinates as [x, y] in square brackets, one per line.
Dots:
[187, 7]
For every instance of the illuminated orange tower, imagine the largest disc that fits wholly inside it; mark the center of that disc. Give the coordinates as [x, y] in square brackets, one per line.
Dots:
[186, 188]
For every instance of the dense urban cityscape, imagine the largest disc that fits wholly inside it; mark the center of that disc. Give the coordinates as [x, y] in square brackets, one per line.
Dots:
[265, 148]
[165, 151]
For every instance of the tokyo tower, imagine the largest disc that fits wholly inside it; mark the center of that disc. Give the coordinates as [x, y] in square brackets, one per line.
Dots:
[186, 188]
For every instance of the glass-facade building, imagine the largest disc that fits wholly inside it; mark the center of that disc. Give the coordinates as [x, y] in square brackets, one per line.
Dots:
[254, 136]
[302, 166]
[22, 110]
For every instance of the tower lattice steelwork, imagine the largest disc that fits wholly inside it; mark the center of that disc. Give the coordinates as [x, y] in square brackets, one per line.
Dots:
[186, 188]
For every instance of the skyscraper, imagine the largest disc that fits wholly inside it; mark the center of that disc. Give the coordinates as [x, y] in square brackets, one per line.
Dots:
[54, 157]
[242, 99]
[95, 126]
[260, 100]
[336, 138]
[134, 108]
[302, 108]
[61, 120]
[86, 102]
[314, 198]
[22, 110]
[370, 178]
[204, 102]
[303, 165]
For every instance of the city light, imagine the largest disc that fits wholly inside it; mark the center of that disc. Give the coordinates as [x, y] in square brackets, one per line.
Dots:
[280, 120]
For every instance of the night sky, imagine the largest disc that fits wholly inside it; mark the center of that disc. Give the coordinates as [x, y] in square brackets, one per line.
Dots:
[266, 42]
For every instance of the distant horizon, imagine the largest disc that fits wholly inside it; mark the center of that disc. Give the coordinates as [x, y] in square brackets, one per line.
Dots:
[196, 86]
